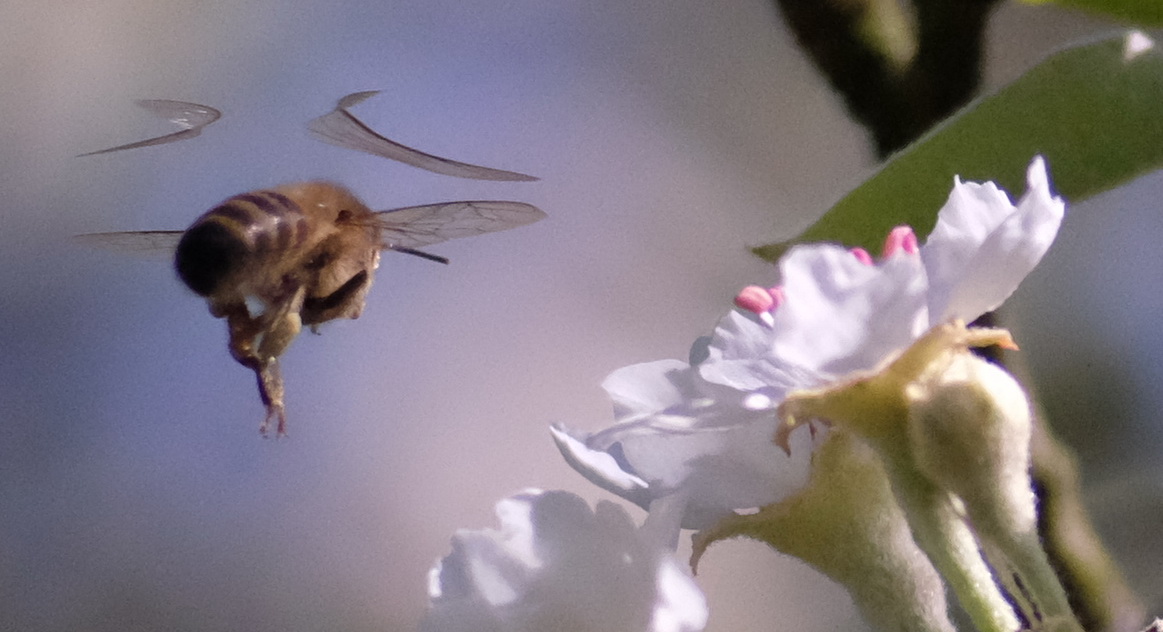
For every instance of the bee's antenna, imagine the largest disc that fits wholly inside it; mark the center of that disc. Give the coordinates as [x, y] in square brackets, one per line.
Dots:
[420, 253]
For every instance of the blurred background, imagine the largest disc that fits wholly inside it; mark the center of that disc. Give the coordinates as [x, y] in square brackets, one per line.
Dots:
[135, 492]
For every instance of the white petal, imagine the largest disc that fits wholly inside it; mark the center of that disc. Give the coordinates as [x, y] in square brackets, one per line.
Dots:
[599, 467]
[681, 606]
[740, 356]
[695, 440]
[664, 521]
[714, 468]
[646, 387]
[556, 565]
[971, 213]
[719, 469]
[983, 246]
[840, 315]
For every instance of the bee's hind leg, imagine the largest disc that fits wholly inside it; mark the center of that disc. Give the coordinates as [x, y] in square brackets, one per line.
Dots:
[270, 390]
[257, 342]
[270, 379]
[247, 350]
[245, 334]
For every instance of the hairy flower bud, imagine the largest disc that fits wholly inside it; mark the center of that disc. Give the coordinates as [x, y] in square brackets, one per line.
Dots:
[954, 433]
[969, 432]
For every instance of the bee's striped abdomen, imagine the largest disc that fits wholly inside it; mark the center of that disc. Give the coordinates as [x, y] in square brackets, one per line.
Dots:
[230, 236]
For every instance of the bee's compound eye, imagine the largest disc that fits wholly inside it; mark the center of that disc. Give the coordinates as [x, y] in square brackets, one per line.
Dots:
[207, 255]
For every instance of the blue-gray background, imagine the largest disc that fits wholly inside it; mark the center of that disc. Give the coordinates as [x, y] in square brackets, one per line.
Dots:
[135, 493]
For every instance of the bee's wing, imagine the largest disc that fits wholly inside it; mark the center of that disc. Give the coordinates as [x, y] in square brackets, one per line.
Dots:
[191, 117]
[143, 242]
[417, 226]
[340, 127]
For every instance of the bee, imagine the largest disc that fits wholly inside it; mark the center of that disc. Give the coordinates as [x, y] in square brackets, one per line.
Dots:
[272, 261]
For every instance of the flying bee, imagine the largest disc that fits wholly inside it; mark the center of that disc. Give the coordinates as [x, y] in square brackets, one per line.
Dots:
[275, 260]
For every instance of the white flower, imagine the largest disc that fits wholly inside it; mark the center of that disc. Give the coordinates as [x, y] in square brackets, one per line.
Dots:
[693, 442]
[839, 314]
[556, 565]
[687, 450]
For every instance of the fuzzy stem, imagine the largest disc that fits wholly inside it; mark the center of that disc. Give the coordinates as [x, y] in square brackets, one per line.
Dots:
[945, 537]
[1025, 554]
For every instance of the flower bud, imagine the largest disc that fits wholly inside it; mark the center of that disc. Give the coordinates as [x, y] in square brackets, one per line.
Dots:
[969, 432]
[969, 429]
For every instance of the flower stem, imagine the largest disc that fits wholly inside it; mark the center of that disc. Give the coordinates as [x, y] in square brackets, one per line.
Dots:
[1024, 553]
[945, 537]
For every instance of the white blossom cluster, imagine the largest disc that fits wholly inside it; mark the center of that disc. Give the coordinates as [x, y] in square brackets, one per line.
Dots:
[693, 440]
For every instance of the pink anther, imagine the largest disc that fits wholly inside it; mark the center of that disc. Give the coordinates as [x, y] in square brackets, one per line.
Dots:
[777, 297]
[901, 238]
[755, 299]
[862, 256]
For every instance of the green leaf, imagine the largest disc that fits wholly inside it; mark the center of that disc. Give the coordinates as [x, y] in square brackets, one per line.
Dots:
[1142, 12]
[1095, 112]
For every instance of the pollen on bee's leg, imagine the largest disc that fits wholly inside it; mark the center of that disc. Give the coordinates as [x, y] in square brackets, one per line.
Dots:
[901, 238]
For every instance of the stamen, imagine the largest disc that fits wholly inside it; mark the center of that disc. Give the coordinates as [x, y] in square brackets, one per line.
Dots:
[755, 299]
[761, 302]
[777, 297]
[901, 238]
[862, 256]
